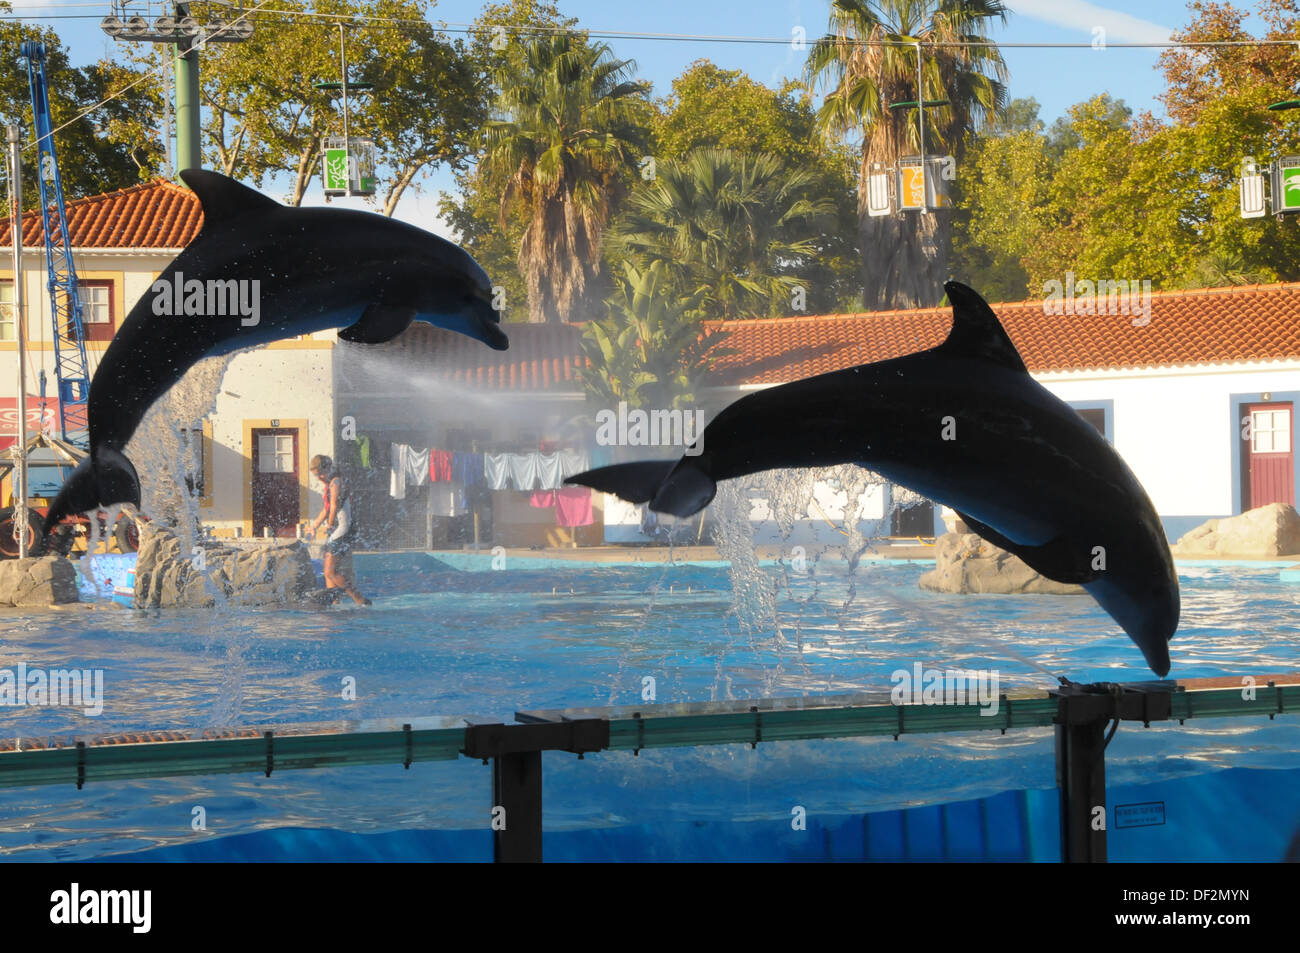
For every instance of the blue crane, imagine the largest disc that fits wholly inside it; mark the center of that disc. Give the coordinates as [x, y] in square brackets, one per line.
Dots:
[71, 368]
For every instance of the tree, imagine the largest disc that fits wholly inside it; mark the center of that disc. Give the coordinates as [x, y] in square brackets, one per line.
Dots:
[733, 230]
[474, 211]
[266, 116]
[571, 128]
[868, 61]
[111, 146]
[650, 349]
[726, 109]
[1001, 205]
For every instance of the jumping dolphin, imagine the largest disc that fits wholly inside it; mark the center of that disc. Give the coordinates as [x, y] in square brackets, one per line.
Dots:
[962, 424]
[259, 271]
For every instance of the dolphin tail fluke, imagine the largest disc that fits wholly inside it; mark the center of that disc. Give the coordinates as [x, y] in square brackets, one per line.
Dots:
[634, 482]
[102, 479]
[669, 486]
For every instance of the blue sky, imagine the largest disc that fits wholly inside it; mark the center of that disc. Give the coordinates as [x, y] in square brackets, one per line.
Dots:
[1056, 78]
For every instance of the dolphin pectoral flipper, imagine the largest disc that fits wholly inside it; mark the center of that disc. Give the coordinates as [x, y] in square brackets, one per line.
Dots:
[1058, 559]
[378, 323]
[634, 482]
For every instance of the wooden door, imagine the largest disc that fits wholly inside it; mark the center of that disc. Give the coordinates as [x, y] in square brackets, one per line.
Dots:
[275, 481]
[1270, 455]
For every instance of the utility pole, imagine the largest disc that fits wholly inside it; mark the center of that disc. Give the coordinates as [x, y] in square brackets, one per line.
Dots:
[189, 152]
[20, 331]
[188, 36]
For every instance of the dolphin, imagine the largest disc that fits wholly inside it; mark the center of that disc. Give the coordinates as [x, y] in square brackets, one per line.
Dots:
[257, 272]
[963, 424]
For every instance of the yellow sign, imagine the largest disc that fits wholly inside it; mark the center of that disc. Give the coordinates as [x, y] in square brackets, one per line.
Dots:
[913, 179]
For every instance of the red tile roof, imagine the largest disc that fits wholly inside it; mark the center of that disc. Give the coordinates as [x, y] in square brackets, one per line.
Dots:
[1210, 326]
[157, 214]
[541, 356]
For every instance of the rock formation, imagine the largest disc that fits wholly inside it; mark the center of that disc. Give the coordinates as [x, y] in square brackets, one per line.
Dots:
[964, 562]
[1272, 530]
[49, 580]
[271, 575]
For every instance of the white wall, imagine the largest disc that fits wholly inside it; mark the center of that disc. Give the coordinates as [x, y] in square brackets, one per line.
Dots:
[1174, 428]
[268, 383]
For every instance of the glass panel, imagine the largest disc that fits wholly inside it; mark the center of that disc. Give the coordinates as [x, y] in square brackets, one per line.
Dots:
[94, 304]
[7, 311]
[1282, 431]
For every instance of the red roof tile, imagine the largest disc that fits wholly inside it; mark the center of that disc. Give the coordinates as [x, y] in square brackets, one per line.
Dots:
[157, 214]
[1210, 326]
[541, 356]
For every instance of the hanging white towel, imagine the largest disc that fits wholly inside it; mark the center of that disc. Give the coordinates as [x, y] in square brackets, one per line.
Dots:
[496, 470]
[523, 469]
[548, 471]
[397, 475]
[573, 461]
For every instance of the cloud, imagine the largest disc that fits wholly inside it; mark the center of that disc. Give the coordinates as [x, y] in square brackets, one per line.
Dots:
[1083, 16]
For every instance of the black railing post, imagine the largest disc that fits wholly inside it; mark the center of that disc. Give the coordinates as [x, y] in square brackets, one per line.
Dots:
[517, 794]
[1081, 781]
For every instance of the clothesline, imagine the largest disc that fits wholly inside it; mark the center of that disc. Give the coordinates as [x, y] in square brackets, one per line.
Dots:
[411, 466]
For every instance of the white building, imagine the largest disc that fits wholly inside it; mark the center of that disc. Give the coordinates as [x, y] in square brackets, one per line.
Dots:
[276, 405]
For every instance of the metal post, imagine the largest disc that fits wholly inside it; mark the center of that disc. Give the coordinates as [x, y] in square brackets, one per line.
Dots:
[920, 118]
[347, 144]
[20, 332]
[517, 791]
[1081, 782]
[189, 153]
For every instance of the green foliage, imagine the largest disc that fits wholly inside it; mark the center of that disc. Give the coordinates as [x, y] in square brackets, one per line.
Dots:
[650, 350]
[1106, 195]
[265, 116]
[109, 148]
[571, 128]
[734, 230]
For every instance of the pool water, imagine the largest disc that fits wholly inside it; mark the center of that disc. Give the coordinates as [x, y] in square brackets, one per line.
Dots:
[485, 644]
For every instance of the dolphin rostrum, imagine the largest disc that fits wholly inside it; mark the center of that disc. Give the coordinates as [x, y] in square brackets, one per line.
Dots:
[963, 424]
[259, 271]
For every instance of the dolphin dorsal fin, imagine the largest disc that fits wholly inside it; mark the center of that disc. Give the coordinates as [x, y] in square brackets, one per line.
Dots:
[223, 198]
[976, 332]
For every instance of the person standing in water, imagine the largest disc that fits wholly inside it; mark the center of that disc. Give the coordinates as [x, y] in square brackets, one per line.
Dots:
[336, 516]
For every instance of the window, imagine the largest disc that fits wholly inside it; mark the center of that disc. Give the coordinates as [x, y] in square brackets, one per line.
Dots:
[275, 453]
[1270, 431]
[8, 329]
[192, 447]
[96, 309]
[1095, 416]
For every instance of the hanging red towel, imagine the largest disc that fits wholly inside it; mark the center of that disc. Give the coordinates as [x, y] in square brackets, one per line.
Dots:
[439, 466]
[573, 506]
[542, 499]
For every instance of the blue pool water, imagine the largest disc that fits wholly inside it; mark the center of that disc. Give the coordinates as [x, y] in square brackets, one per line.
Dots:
[485, 644]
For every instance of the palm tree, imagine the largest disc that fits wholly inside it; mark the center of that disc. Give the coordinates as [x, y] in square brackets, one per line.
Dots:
[868, 61]
[651, 350]
[570, 129]
[733, 229]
